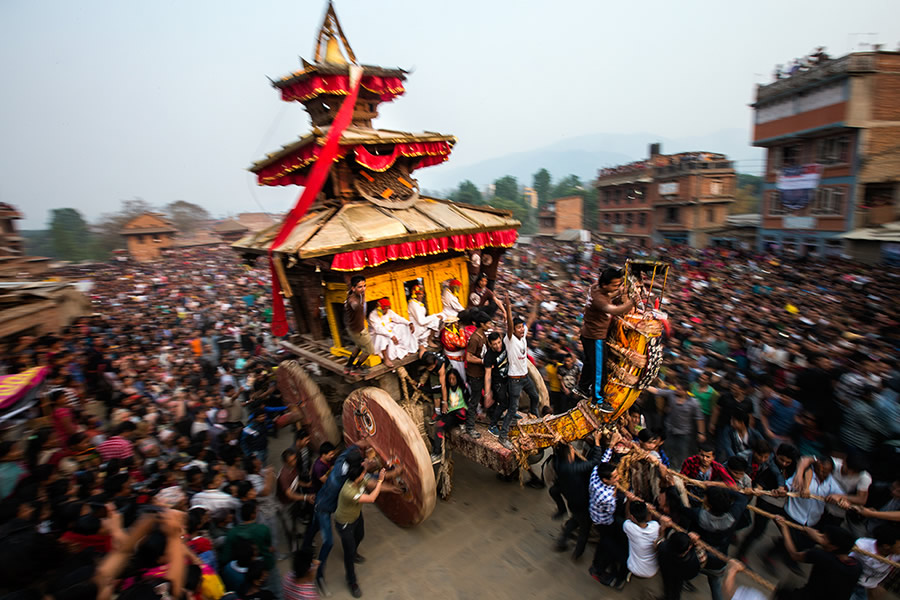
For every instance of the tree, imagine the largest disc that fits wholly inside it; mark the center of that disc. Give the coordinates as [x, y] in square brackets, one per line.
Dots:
[38, 242]
[467, 193]
[69, 233]
[186, 216]
[568, 186]
[748, 195]
[518, 210]
[542, 184]
[507, 188]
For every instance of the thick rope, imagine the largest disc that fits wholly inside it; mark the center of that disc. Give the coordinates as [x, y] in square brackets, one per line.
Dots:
[709, 549]
[641, 454]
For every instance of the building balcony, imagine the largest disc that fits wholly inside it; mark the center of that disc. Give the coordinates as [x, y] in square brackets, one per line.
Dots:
[695, 166]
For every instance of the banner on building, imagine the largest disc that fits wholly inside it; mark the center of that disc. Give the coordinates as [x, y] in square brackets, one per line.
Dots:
[797, 185]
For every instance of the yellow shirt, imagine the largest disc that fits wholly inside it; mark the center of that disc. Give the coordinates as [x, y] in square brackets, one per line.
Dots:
[553, 377]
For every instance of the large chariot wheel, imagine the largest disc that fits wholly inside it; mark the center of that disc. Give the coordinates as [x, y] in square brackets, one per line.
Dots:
[306, 404]
[372, 414]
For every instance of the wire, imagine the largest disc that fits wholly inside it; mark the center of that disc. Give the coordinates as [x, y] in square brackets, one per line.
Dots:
[262, 143]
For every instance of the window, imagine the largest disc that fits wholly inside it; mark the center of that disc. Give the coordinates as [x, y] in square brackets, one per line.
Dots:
[843, 149]
[775, 205]
[833, 149]
[790, 156]
[828, 201]
[715, 187]
[618, 218]
[629, 218]
[710, 215]
[671, 215]
[642, 219]
[606, 218]
[618, 196]
[157, 239]
[606, 196]
[140, 239]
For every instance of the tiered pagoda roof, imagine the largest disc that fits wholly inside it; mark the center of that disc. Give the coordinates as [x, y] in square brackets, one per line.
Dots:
[370, 210]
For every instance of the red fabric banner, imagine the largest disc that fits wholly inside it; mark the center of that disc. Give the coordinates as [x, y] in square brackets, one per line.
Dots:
[358, 260]
[287, 171]
[314, 184]
[387, 88]
[385, 162]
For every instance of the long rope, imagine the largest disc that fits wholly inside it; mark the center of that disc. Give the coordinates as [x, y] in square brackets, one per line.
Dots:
[642, 454]
[709, 549]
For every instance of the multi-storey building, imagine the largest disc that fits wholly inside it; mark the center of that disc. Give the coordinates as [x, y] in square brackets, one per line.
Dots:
[832, 135]
[675, 198]
[561, 214]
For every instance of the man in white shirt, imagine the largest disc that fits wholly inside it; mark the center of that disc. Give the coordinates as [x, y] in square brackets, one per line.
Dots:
[212, 498]
[424, 325]
[450, 299]
[517, 357]
[854, 481]
[392, 335]
[642, 534]
[886, 544]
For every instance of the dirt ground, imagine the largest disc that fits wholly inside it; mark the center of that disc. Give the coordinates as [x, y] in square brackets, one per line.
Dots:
[491, 539]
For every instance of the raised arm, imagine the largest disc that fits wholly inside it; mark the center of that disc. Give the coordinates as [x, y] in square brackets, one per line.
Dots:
[509, 318]
[373, 495]
[535, 306]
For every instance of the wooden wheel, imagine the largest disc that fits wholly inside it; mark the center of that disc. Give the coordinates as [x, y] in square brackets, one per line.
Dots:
[371, 413]
[306, 404]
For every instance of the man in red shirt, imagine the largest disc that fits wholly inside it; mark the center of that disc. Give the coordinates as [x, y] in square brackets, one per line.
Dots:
[703, 467]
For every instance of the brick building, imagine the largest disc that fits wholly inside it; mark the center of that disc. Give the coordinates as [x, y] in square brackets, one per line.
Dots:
[561, 214]
[839, 121]
[675, 198]
[147, 235]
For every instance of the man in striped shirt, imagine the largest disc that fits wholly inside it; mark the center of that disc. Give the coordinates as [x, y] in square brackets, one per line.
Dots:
[118, 445]
[602, 508]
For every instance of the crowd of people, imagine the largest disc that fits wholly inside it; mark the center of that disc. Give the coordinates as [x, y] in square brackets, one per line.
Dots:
[151, 475]
[779, 377]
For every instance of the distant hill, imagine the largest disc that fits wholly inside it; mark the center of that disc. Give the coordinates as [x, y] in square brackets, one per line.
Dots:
[585, 154]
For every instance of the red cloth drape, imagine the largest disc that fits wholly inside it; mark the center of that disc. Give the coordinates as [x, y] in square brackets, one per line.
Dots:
[358, 260]
[387, 88]
[288, 170]
[385, 162]
[314, 184]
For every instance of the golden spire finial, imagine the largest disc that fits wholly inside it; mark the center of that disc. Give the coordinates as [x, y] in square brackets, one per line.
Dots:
[327, 47]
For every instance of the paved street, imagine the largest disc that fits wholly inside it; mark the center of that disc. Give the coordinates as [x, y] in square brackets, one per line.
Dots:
[490, 540]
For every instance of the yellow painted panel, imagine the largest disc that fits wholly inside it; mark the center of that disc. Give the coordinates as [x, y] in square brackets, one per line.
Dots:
[391, 285]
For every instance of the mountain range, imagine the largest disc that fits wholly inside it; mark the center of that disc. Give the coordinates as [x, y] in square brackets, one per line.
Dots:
[583, 155]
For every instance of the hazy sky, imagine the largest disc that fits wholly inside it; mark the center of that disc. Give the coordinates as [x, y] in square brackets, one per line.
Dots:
[168, 100]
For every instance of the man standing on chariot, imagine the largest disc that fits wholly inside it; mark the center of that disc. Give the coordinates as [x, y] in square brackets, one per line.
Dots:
[355, 323]
[598, 314]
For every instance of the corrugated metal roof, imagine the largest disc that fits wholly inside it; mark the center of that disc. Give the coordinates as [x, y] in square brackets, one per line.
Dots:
[889, 232]
[358, 225]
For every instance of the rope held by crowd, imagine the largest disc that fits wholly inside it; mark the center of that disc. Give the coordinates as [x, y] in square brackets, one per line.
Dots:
[644, 455]
[709, 549]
